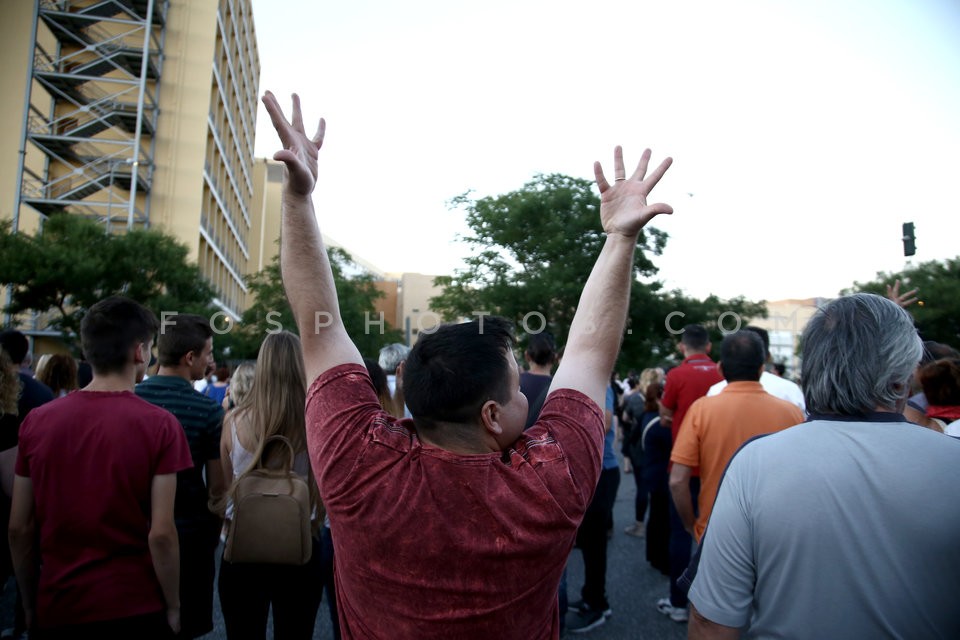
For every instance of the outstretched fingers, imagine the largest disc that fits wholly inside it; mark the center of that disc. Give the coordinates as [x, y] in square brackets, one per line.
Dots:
[276, 117]
[641, 170]
[601, 180]
[297, 118]
[321, 131]
[651, 181]
[619, 173]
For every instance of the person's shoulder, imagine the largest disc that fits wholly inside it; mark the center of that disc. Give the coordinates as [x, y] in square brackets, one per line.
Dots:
[34, 390]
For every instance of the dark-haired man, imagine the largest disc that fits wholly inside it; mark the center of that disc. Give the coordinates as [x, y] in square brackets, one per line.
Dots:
[457, 523]
[774, 384]
[716, 426]
[684, 385]
[185, 353]
[541, 355]
[95, 485]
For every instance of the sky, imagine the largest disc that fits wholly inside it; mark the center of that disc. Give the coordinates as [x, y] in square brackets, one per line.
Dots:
[803, 132]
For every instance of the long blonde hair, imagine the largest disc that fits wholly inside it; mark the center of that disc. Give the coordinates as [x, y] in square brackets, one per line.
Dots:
[9, 385]
[278, 395]
[275, 405]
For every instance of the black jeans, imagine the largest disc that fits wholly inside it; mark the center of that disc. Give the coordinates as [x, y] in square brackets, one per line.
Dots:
[152, 626]
[592, 539]
[247, 592]
[640, 502]
[681, 543]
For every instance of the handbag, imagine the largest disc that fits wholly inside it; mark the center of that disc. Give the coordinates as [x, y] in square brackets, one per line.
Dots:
[271, 516]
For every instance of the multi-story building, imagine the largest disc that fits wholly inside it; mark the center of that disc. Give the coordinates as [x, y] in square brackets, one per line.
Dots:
[138, 113]
[785, 323]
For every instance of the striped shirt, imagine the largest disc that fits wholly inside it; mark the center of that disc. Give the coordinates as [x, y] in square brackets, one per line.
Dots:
[202, 420]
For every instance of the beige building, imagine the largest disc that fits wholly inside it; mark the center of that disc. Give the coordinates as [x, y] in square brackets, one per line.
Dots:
[785, 323]
[413, 309]
[140, 113]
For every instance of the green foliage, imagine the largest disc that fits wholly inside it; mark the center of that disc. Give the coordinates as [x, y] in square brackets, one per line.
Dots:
[74, 263]
[937, 316]
[270, 310]
[532, 250]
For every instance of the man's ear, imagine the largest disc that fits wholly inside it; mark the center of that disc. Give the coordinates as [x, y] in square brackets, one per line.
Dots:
[720, 369]
[188, 359]
[490, 417]
[709, 346]
[141, 353]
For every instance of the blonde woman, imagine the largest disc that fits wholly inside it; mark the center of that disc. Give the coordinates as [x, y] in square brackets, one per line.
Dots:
[240, 383]
[274, 406]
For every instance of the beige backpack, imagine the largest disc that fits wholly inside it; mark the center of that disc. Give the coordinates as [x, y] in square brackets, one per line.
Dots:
[271, 516]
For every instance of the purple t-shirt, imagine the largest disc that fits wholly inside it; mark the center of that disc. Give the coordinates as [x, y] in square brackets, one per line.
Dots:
[432, 544]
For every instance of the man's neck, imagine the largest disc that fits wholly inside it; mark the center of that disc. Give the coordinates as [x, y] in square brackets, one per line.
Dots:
[178, 372]
[540, 369]
[436, 437]
[113, 382]
[690, 353]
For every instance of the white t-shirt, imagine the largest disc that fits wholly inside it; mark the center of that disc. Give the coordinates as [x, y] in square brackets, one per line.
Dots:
[775, 386]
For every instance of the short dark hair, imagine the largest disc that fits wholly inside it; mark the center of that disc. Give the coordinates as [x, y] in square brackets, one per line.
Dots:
[695, 337]
[15, 344]
[764, 335]
[741, 356]
[110, 328]
[186, 333]
[450, 373]
[541, 348]
[940, 380]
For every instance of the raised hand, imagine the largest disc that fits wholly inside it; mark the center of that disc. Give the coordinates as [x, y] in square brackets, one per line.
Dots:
[903, 299]
[623, 205]
[299, 152]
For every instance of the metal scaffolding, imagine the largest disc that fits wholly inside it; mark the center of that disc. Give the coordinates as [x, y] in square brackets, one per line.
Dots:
[96, 126]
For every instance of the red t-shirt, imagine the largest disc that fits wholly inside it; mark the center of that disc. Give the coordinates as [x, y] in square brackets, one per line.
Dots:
[686, 383]
[431, 544]
[91, 457]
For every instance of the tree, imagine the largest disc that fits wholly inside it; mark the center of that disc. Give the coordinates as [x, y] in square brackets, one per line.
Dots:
[270, 310]
[74, 263]
[937, 315]
[532, 250]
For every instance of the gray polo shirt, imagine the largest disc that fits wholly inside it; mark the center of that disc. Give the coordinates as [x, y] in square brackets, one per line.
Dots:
[837, 529]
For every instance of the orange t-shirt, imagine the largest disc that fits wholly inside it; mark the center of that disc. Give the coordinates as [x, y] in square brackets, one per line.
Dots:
[715, 427]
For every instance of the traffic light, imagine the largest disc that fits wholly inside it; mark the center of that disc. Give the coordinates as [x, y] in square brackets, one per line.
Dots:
[909, 240]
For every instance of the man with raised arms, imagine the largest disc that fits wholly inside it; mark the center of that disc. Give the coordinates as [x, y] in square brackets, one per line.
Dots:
[457, 523]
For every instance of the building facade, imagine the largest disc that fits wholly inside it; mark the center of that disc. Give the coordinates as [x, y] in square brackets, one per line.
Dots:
[138, 113]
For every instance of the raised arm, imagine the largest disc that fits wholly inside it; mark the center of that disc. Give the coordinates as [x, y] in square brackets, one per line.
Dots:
[307, 278]
[598, 324]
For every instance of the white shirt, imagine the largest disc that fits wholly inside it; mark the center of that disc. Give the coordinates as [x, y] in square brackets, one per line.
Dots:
[775, 386]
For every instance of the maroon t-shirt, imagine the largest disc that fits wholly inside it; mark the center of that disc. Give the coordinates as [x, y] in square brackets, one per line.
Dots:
[91, 457]
[686, 383]
[431, 544]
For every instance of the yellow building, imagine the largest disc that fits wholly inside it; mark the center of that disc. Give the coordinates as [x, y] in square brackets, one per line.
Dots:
[785, 323]
[139, 113]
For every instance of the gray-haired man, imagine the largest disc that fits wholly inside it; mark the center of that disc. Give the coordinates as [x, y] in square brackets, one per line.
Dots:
[845, 526]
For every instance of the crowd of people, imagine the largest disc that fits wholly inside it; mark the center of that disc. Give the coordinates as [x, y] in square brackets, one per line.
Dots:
[438, 491]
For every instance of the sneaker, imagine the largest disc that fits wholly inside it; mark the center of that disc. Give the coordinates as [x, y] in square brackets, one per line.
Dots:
[579, 606]
[636, 530]
[677, 614]
[585, 620]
